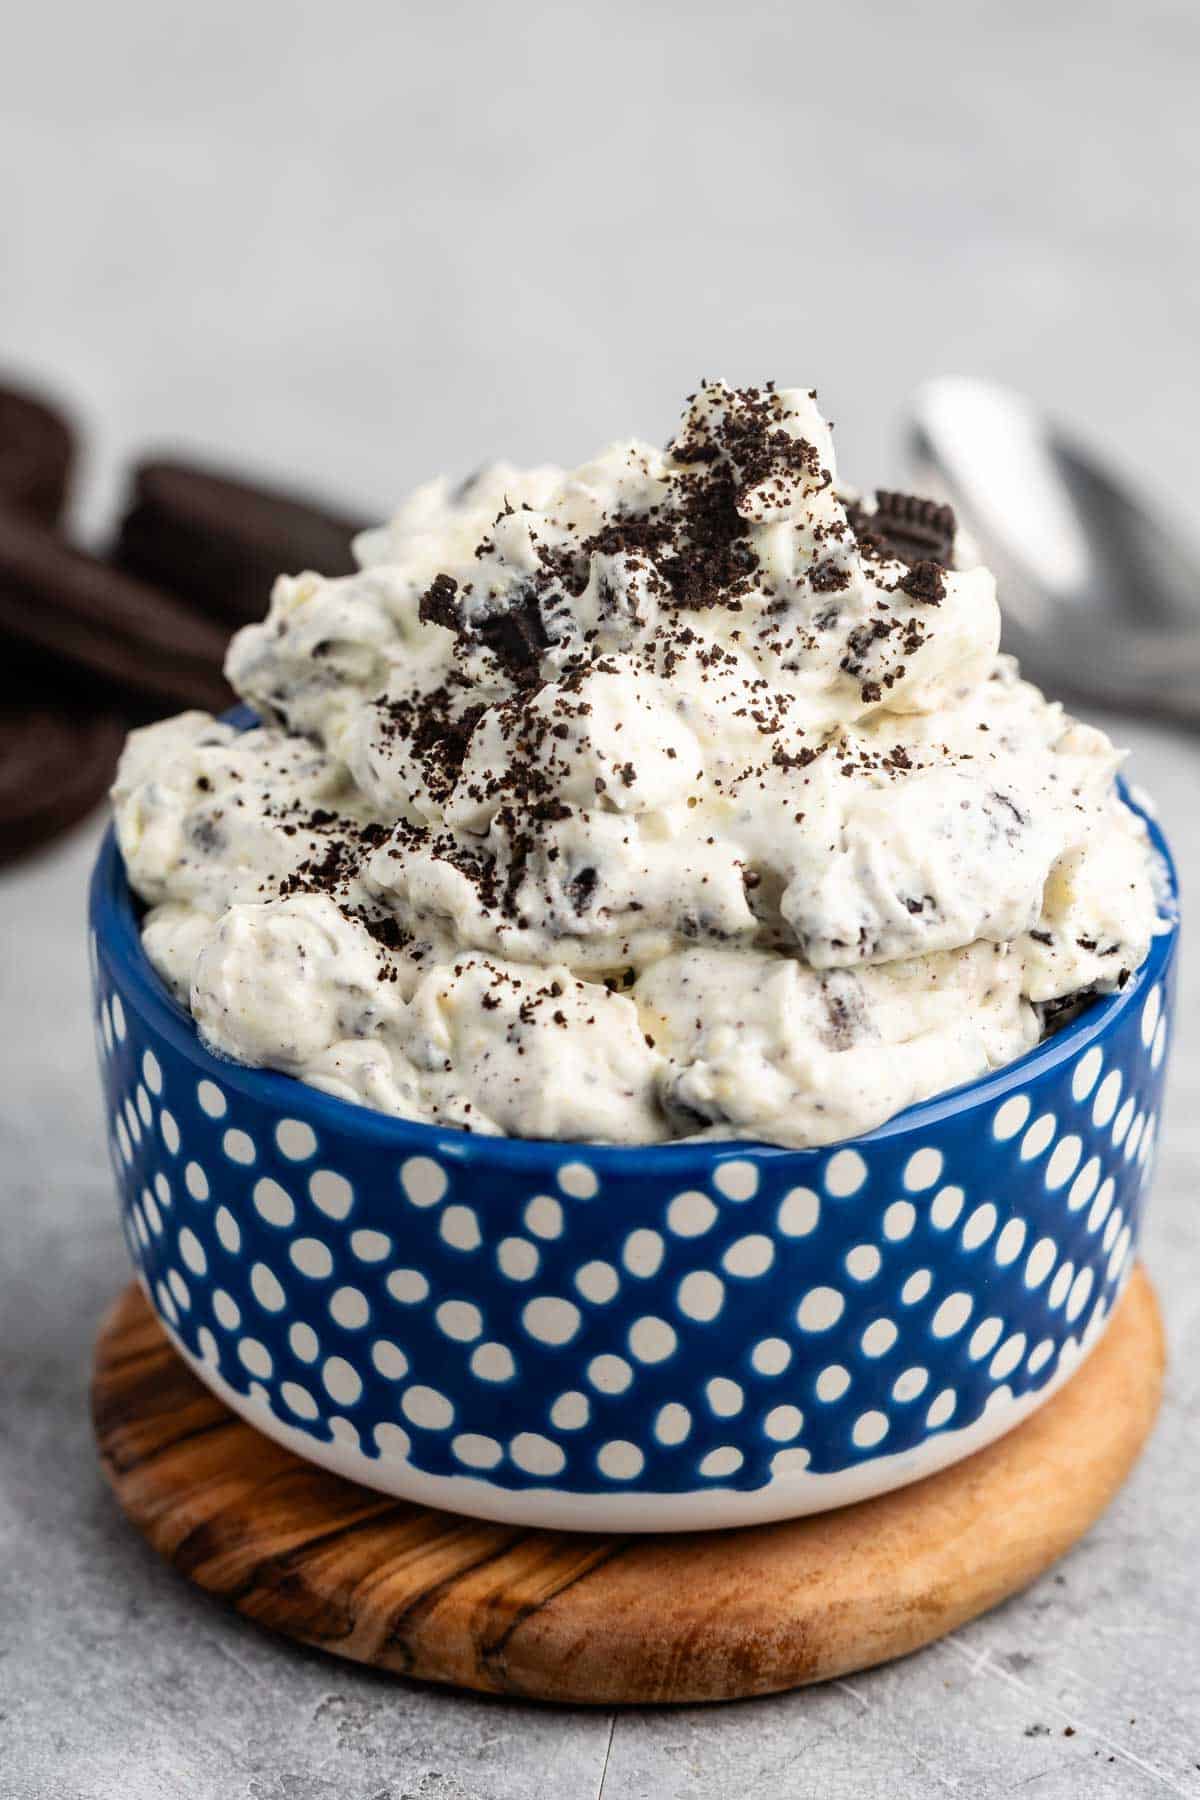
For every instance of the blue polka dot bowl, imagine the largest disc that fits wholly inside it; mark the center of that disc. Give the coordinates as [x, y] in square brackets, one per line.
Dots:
[664, 1338]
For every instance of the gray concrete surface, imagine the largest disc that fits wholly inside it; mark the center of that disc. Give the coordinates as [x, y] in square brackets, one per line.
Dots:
[119, 1682]
[362, 243]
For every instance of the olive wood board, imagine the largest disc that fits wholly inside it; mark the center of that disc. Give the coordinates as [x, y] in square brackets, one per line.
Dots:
[603, 1620]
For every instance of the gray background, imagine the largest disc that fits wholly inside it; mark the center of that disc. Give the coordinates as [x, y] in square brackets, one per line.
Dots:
[359, 244]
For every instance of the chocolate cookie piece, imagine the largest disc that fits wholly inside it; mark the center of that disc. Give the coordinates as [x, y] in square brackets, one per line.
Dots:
[906, 527]
[56, 764]
[220, 542]
[36, 451]
[79, 617]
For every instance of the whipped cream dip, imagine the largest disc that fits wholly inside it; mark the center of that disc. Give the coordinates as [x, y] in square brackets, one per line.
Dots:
[684, 792]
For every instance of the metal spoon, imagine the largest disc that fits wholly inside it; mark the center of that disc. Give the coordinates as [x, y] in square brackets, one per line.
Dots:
[1101, 598]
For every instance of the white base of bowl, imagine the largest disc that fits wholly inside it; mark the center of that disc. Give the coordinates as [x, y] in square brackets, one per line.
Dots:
[791, 1495]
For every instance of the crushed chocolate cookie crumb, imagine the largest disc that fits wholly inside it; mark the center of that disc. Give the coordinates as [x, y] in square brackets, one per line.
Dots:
[906, 527]
[925, 582]
[674, 794]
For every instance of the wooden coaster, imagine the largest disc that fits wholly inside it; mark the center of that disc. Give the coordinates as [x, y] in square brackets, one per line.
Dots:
[602, 1620]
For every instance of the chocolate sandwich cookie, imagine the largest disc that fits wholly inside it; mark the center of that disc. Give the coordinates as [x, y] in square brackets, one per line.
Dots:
[220, 542]
[906, 527]
[56, 764]
[36, 452]
[78, 617]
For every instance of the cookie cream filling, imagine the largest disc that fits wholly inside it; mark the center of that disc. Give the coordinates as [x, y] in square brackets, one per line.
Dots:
[684, 792]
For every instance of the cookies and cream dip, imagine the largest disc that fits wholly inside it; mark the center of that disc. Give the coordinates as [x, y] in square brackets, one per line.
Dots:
[680, 793]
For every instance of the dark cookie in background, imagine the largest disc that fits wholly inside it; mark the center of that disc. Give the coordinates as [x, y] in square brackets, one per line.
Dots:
[37, 450]
[83, 651]
[57, 749]
[90, 646]
[220, 542]
[138, 646]
[56, 764]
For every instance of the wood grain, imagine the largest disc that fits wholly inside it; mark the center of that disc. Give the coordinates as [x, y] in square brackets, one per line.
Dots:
[602, 1620]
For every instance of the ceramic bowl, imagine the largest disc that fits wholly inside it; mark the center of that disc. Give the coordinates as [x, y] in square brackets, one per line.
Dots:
[628, 1339]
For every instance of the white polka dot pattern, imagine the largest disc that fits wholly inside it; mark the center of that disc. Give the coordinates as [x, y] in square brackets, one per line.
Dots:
[389, 1359]
[700, 1296]
[820, 1309]
[845, 1173]
[771, 1356]
[311, 1257]
[267, 1288]
[423, 1181]
[460, 1320]
[1106, 1099]
[691, 1215]
[879, 1337]
[349, 1308]
[426, 1407]
[725, 1397]
[1010, 1118]
[870, 1428]
[984, 1338]
[239, 1147]
[673, 1424]
[476, 1451]
[910, 1384]
[979, 1227]
[736, 1180]
[331, 1192]
[1010, 1242]
[392, 1441]
[551, 1320]
[899, 1220]
[864, 1262]
[342, 1380]
[942, 1409]
[652, 1340]
[620, 1460]
[274, 1203]
[459, 1227]
[643, 1253]
[799, 1213]
[1038, 1137]
[783, 1423]
[571, 1412]
[609, 1374]
[370, 1246]
[196, 1181]
[493, 1363]
[947, 1205]
[408, 1286]
[296, 1140]
[598, 1282]
[832, 1383]
[749, 1257]
[536, 1455]
[739, 1318]
[578, 1180]
[544, 1217]
[518, 1258]
[212, 1100]
[726, 1460]
[228, 1231]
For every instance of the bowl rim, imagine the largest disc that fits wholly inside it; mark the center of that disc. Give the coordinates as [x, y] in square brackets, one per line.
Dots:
[114, 923]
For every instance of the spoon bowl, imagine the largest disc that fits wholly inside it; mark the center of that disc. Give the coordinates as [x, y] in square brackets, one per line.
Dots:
[1101, 597]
